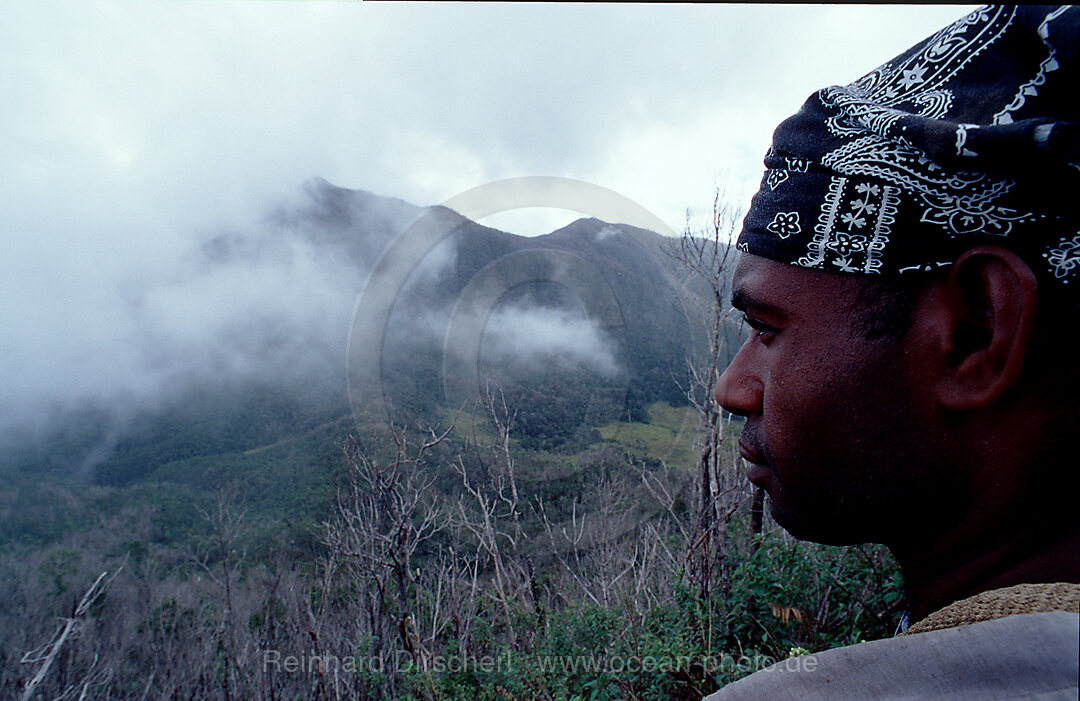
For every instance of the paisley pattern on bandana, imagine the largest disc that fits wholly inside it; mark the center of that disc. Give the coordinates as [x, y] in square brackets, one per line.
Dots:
[775, 177]
[1065, 258]
[969, 136]
[785, 224]
[1031, 88]
[853, 227]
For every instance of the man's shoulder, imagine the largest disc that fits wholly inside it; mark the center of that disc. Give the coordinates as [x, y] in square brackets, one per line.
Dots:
[1029, 656]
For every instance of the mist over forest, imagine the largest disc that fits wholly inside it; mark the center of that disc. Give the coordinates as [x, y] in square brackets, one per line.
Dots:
[243, 339]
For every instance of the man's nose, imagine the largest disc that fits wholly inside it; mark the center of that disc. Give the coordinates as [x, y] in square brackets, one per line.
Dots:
[739, 391]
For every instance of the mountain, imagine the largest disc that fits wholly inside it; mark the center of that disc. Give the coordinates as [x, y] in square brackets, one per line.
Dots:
[301, 327]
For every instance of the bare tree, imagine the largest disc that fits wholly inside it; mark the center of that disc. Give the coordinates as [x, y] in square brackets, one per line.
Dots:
[68, 629]
[386, 512]
[708, 259]
[482, 513]
[226, 526]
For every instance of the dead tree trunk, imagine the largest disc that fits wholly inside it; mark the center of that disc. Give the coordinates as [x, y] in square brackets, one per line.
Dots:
[387, 511]
[707, 258]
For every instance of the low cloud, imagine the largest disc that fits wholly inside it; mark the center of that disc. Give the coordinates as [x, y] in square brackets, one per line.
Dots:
[543, 337]
[268, 301]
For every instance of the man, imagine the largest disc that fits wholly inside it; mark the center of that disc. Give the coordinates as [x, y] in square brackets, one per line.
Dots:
[910, 271]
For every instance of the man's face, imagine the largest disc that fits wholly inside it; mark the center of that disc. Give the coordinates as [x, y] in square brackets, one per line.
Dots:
[832, 419]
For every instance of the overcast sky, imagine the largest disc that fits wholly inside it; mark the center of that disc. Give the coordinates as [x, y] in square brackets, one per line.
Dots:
[128, 130]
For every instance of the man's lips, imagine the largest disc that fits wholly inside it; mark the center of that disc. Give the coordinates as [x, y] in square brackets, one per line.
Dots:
[751, 454]
[757, 470]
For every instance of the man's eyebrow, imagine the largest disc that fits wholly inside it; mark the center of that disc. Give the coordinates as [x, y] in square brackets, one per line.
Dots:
[740, 299]
[743, 300]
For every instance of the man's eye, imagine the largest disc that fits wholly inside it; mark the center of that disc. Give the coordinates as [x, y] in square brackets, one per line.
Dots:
[760, 327]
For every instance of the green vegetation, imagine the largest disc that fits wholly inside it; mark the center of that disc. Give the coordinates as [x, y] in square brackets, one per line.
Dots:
[668, 434]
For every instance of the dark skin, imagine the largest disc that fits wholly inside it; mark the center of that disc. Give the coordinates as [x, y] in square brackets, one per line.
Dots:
[945, 445]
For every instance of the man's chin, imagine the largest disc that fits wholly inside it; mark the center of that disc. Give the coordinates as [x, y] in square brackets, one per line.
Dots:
[759, 475]
[815, 532]
[809, 524]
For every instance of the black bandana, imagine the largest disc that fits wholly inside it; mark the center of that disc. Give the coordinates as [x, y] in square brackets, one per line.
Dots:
[970, 136]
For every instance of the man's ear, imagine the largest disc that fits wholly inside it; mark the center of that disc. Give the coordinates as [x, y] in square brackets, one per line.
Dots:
[991, 298]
